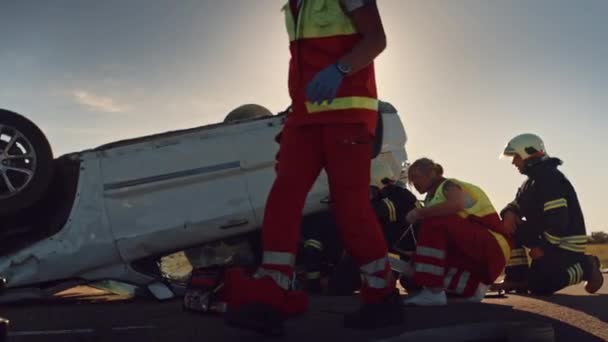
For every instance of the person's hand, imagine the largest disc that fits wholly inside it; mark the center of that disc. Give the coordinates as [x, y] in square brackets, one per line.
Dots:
[325, 84]
[536, 253]
[413, 216]
[510, 221]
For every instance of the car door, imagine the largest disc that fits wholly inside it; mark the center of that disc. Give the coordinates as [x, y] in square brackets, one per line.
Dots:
[174, 191]
[257, 148]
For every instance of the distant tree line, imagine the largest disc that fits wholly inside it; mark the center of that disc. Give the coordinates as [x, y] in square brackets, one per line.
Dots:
[598, 237]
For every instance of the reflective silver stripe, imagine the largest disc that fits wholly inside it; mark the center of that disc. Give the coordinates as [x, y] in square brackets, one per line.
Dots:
[392, 212]
[448, 277]
[279, 278]
[375, 266]
[579, 272]
[571, 276]
[518, 252]
[314, 244]
[313, 275]
[572, 247]
[575, 243]
[462, 282]
[430, 252]
[552, 239]
[278, 258]
[576, 239]
[431, 269]
[374, 282]
[517, 261]
[558, 203]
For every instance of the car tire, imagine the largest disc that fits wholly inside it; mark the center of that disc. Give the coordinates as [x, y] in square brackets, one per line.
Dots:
[247, 112]
[26, 163]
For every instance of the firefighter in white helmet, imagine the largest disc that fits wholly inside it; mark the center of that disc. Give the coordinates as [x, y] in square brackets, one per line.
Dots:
[546, 218]
[391, 204]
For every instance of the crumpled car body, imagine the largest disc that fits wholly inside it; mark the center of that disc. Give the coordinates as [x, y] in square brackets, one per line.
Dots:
[132, 201]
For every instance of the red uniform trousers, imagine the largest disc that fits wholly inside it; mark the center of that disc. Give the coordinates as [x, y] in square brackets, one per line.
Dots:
[344, 150]
[457, 254]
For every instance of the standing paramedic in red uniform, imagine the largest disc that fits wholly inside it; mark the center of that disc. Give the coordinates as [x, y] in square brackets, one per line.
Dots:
[334, 108]
[462, 244]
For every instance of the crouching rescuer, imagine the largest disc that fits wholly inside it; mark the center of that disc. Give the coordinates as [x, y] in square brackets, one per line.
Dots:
[390, 203]
[546, 218]
[334, 109]
[462, 245]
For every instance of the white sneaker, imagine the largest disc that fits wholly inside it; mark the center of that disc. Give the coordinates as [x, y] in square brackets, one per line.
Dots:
[426, 298]
[479, 295]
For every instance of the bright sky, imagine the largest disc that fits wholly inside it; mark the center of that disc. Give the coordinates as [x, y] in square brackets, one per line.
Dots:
[466, 76]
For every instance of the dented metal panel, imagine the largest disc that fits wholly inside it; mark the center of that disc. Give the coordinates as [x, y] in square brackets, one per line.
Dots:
[149, 196]
[83, 244]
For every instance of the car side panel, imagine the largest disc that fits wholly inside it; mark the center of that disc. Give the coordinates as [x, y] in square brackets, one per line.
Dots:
[175, 192]
[83, 245]
[256, 149]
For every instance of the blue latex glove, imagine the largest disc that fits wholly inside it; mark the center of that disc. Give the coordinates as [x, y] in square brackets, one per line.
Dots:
[324, 85]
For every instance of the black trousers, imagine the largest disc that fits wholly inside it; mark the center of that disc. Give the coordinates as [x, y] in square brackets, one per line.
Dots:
[557, 269]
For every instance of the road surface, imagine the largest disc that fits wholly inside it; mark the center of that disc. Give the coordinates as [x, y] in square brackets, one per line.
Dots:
[86, 314]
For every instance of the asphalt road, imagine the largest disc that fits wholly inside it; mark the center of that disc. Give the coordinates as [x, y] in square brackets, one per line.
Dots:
[86, 314]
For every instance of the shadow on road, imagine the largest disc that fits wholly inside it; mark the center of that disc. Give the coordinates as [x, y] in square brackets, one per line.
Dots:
[164, 321]
[594, 305]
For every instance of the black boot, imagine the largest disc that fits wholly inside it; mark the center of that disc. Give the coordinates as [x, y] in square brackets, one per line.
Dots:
[260, 318]
[372, 316]
[593, 274]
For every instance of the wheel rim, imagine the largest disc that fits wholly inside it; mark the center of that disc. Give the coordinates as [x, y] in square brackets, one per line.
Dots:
[17, 161]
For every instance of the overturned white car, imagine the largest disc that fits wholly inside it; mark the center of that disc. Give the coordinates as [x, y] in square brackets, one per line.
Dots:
[112, 213]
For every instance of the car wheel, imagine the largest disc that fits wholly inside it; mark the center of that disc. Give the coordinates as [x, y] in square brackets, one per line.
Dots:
[26, 162]
[247, 112]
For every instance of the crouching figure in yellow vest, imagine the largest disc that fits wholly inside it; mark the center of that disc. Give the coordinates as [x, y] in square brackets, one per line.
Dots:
[462, 244]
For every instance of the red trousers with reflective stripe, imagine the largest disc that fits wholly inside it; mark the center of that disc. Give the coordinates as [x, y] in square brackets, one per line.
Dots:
[344, 151]
[471, 255]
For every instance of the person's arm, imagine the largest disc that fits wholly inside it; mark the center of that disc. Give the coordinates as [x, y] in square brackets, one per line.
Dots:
[364, 14]
[511, 217]
[511, 214]
[455, 202]
[549, 197]
[368, 23]
[554, 219]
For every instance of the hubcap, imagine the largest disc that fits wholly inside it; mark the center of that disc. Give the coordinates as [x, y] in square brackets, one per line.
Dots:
[17, 161]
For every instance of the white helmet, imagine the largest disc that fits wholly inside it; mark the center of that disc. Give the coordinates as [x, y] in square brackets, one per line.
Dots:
[380, 171]
[525, 145]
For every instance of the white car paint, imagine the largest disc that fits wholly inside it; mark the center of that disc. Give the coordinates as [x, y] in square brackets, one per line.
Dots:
[164, 193]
